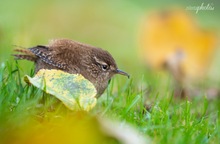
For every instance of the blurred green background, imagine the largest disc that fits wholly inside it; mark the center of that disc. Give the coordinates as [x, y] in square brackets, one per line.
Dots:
[112, 25]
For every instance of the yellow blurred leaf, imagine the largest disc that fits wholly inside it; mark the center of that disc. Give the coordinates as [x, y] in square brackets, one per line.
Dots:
[168, 33]
[73, 90]
[77, 128]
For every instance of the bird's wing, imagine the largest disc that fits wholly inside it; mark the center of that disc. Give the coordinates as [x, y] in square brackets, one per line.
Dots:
[49, 56]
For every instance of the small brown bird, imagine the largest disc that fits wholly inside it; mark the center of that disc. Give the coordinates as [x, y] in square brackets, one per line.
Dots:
[95, 64]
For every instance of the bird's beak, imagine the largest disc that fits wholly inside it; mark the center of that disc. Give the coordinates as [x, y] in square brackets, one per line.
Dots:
[118, 71]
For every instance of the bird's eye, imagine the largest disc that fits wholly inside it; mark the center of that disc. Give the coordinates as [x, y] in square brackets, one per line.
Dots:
[104, 67]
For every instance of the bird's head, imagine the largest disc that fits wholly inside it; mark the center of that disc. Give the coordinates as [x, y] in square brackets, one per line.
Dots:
[101, 67]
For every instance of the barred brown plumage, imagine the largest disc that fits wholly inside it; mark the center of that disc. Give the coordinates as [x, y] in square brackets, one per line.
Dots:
[95, 64]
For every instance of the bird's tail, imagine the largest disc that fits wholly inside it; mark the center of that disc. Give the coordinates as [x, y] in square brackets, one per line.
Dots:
[24, 54]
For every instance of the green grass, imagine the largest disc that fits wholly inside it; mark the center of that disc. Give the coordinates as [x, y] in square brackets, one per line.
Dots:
[168, 120]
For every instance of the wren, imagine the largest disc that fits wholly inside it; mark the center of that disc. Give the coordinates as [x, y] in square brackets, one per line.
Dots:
[95, 64]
